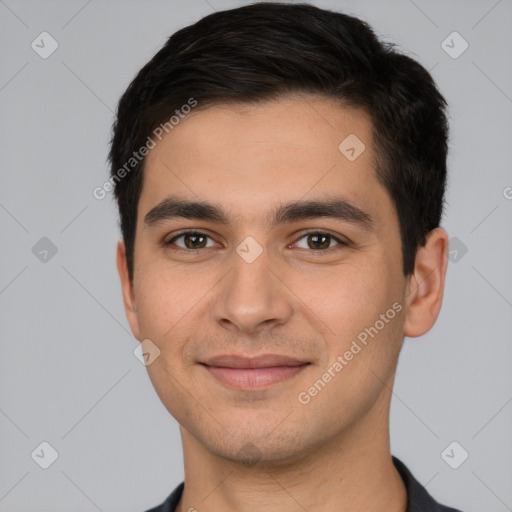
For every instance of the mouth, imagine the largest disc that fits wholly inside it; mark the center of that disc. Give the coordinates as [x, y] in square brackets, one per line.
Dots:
[247, 373]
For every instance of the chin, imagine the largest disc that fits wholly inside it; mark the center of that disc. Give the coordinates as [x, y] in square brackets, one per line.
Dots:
[248, 447]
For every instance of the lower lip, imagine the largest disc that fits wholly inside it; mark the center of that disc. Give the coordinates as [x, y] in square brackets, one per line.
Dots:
[254, 378]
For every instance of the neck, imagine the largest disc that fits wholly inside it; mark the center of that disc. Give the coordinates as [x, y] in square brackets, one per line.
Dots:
[353, 472]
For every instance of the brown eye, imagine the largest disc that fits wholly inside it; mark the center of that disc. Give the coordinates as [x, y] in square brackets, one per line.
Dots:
[320, 241]
[191, 240]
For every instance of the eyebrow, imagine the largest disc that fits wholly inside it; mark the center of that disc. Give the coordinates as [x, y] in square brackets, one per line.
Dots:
[335, 208]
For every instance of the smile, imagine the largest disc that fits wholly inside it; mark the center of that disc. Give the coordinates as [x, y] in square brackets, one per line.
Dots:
[253, 373]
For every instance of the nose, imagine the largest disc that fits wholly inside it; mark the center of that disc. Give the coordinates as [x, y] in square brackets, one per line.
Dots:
[253, 296]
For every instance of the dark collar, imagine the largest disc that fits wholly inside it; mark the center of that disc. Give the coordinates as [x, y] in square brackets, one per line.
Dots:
[418, 499]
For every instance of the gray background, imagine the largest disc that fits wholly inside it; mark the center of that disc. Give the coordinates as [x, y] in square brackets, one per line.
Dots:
[68, 375]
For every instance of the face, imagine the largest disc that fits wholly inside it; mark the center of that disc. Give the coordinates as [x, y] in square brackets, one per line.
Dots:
[319, 288]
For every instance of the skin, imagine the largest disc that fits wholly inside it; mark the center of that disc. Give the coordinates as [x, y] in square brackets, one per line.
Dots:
[245, 450]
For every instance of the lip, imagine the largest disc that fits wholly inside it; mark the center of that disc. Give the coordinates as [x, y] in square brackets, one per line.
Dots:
[248, 373]
[263, 361]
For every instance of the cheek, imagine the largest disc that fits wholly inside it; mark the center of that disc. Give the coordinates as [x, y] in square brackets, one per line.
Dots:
[364, 339]
[352, 295]
[162, 305]
[356, 305]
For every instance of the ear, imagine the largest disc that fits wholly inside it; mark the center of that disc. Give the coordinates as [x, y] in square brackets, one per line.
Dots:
[130, 306]
[424, 292]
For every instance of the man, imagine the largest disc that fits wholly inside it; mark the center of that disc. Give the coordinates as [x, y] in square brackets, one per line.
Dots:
[280, 177]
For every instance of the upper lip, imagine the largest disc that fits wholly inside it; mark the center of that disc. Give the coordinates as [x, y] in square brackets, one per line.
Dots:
[263, 361]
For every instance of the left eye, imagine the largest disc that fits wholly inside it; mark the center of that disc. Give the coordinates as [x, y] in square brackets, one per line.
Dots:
[319, 241]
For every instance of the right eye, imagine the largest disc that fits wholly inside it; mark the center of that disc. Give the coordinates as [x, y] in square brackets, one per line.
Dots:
[193, 240]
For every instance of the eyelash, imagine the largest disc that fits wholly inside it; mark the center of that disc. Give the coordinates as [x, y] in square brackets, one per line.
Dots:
[170, 242]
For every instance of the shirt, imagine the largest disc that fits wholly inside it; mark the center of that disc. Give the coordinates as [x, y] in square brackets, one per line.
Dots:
[418, 499]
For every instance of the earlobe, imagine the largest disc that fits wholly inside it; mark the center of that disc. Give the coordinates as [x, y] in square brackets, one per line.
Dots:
[130, 305]
[424, 294]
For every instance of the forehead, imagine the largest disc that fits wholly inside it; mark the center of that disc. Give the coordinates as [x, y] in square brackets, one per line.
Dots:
[252, 155]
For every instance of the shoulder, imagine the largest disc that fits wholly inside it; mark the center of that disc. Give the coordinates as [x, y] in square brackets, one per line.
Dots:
[418, 499]
[170, 504]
